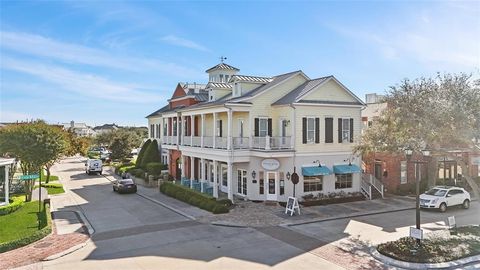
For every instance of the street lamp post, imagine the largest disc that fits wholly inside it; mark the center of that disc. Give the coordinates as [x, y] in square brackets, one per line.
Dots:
[409, 154]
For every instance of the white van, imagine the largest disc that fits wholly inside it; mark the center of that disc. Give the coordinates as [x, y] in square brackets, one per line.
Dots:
[93, 165]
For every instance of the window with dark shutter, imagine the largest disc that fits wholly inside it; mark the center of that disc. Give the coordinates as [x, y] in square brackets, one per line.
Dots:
[329, 130]
[257, 126]
[351, 130]
[317, 130]
[339, 130]
[221, 130]
[304, 130]
[270, 127]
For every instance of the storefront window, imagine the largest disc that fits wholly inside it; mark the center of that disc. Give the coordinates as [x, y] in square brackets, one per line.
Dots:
[343, 181]
[282, 183]
[261, 183]
[312, 183]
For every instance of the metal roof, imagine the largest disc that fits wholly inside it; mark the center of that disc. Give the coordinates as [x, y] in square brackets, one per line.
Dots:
[255, 79]
[302, 89]
[163, 109]
[222, 66]
[219, 85]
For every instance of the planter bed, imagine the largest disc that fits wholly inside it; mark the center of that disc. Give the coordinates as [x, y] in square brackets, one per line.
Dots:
[437, 247]
[16, 202]
[332, 201]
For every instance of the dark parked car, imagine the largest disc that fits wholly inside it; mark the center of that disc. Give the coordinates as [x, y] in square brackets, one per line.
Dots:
[124, 186]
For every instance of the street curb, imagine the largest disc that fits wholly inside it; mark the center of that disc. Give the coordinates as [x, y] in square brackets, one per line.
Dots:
[225, 224]
[417, 266]
[346, 216]
[167, 206]
[67, 251]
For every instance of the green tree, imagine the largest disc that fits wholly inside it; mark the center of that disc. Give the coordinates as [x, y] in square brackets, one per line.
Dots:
[151, 154]
[122, 143]
[440, 114]
[77, 144]
[35, 144]
[141, 154]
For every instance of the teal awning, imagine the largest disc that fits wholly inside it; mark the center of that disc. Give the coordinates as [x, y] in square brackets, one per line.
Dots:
[344, 169]
[315, 170]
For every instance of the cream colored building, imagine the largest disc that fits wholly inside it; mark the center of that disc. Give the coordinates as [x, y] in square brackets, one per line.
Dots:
[253, 133]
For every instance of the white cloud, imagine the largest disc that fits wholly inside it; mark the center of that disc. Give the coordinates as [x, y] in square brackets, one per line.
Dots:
[182, 42]
[82, 83]
[71, 53]
[443, 37]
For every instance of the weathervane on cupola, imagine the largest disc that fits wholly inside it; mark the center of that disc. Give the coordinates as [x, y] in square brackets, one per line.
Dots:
[222, 58]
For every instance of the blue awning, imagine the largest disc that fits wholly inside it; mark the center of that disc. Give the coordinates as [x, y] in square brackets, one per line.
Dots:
[315, 170]
[344, 169]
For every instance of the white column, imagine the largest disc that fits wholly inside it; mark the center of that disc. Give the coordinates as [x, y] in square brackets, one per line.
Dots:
[229, 129]
[215, 179]
[293, 124]
[183, 167]
[184, 128]
[192, 128]
[267, 142]
[230, 180]
[202, 173]
[192, 170]
[7, 188]
[214, 129]
[178, 129]
[202, 129]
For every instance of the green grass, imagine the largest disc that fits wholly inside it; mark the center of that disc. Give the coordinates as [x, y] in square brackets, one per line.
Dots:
[53, 188]
[53, 178]
[21, 223]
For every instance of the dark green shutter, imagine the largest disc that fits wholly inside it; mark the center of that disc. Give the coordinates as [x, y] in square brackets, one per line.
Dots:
[339, 130]
[257, 127]
[329, 130]
[304, 130]
[351, 130]
[270, 127]
[317, 130]
[220, 135]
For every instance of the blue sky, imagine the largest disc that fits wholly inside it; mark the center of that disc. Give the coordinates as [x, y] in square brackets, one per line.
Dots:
[104, 62]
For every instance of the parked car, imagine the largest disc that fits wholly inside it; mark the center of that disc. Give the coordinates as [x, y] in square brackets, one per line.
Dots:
[93, 165]
[124, 186]
[441, 197]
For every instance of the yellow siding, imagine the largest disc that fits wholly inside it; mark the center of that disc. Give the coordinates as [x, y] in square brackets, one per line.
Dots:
[329, 91]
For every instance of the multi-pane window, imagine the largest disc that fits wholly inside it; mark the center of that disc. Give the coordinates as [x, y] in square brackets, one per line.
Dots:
[343, 181]
[165, 128]
[312, 183]
[346, 129]
[152, 130]
[224, 176]
[263, 127]
[261, 183]
[311, 130]
[219, 128]
[242, 182]
[174, 128]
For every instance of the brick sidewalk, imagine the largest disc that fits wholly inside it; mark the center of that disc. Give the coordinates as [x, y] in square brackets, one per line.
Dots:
[37, 251]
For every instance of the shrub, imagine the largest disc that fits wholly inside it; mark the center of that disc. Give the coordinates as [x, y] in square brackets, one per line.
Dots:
[142, 153]
[192, 197]
[155, 168]
[124, 167]
[138, 172]
[151, 155]
[16, 203]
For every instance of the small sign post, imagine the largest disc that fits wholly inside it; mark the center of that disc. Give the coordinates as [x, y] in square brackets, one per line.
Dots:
[452, 224]
[416, 233]
[292, 205]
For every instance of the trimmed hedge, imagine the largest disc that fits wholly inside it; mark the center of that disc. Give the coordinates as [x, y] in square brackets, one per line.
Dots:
[151, 155]
[194, 198]
[28, 239]
[137, 172]
[155, 168]
[53, 188]
[17, 202]
[124, 168]
[141, 154]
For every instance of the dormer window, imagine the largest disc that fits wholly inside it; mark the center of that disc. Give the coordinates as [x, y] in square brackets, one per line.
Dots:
[221, 77]
[237, 90]
[226, 78]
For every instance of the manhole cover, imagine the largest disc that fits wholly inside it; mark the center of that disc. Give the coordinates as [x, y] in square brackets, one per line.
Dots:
[43, 245]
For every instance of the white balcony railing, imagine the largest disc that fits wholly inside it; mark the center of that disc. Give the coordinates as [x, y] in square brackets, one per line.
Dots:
[208, 141]
[187, 140]
[240, 143]
[221, 142]
[169, 140]
[196, 141]
[280, 142]
[259, 142]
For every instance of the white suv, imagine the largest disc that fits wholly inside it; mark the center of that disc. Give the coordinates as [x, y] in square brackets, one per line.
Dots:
[442, 197]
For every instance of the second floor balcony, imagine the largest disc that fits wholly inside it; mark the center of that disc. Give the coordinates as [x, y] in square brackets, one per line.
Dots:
[255, 143]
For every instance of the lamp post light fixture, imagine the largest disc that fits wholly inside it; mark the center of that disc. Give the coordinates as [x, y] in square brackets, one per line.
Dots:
[254, 174]
[288, 175]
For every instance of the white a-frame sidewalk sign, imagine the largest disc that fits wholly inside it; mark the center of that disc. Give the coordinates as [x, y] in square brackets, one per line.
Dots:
[292, 205]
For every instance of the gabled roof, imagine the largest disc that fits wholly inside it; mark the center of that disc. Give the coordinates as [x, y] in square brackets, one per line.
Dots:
[275, 81]
[222, 66]
[300, 91]
[159, 111]
[254, 79]
[106, 126]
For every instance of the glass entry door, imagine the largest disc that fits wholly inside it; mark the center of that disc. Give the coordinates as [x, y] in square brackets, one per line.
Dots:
[271, 186]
